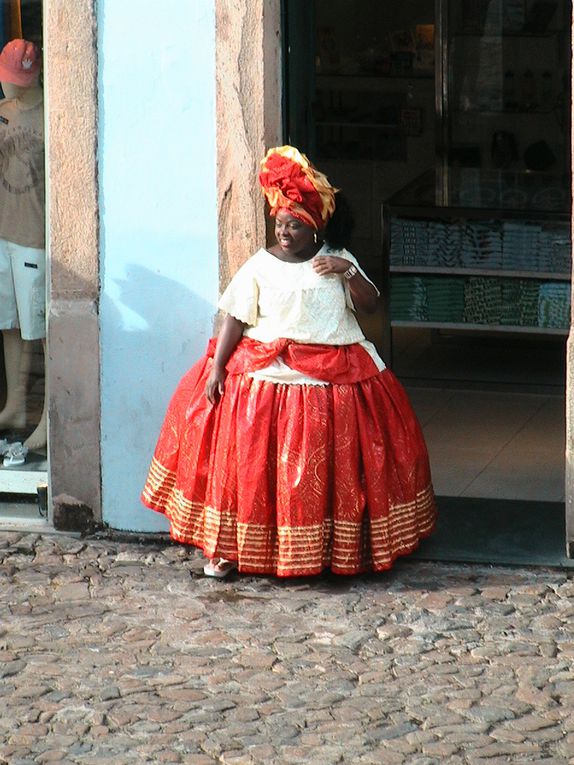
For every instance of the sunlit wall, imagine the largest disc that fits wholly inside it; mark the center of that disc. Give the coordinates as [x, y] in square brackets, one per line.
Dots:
[159, 265]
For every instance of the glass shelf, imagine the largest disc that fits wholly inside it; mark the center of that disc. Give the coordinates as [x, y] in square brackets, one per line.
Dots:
[508, 35]
[492, 112]
[467, 326]
[330, 79]
[498, 272]
[371, 125]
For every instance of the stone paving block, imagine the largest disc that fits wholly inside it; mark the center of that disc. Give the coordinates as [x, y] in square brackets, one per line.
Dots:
[73, 591]
[440, 749]
[381, 755]
[232, 758]
[529, 723]
[507, 749]
[168, 757]
[547, 735]
[12, 667]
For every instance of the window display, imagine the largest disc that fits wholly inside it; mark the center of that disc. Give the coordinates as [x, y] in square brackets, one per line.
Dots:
[22, 249]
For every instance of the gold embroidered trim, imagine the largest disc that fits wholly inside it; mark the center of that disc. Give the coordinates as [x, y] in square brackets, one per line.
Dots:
[348, 546]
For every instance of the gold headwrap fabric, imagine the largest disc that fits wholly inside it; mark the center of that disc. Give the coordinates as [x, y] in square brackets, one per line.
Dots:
[289, 181]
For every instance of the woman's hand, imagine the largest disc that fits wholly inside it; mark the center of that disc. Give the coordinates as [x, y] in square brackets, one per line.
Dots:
[330, 264]
[215, 385]
[362, 291]
[230, 335]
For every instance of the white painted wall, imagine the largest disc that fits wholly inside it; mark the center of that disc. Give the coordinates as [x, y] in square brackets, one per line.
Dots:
[159, 263]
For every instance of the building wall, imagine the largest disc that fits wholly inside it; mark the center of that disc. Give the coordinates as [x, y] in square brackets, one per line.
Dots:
[158, 237]
[72, 371]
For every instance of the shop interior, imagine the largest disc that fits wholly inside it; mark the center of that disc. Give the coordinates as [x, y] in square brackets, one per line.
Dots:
[447, 126]
[23, 448]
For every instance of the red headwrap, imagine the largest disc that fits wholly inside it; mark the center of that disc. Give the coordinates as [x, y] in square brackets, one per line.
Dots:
[290, 182]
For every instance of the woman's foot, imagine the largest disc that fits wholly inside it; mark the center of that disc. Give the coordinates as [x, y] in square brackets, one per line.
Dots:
[219, 567]
[13, 417]
[38, 439]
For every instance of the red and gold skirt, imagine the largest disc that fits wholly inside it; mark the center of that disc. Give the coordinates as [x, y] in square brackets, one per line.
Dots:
[291, 479]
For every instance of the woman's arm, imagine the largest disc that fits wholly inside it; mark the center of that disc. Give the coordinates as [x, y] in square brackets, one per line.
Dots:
[362, 291]
[230, 334]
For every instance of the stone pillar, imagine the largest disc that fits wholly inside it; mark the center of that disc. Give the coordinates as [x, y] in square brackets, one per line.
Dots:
[72, 375]
[249, 121]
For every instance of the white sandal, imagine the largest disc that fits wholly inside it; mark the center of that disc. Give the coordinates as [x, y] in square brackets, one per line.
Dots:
[219, 567]
[15, 455]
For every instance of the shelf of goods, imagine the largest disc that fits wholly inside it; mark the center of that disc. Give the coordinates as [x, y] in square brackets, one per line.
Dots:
[503, 274]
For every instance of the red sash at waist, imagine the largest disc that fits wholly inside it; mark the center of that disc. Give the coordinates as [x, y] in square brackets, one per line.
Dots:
[336, 364]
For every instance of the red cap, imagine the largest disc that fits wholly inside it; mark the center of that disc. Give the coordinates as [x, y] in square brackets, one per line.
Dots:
[20, 63]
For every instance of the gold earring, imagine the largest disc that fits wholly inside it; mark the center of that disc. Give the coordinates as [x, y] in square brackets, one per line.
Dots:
[315, 238]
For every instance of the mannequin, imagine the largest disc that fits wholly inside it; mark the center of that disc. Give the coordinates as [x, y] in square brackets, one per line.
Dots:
[22, 254]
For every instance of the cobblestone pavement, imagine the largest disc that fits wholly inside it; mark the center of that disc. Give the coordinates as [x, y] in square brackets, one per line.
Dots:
[116, 652]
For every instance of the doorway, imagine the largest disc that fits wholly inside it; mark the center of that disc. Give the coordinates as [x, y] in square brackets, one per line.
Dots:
[447, 126]
[23, 430]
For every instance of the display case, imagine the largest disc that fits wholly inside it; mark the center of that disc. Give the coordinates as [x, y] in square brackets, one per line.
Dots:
[504, 104]
[482, 242]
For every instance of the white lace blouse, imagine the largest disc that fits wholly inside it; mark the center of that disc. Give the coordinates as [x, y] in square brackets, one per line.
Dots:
[280, 299]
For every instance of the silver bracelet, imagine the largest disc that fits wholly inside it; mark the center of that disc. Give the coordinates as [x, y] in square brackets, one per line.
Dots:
[350, 272]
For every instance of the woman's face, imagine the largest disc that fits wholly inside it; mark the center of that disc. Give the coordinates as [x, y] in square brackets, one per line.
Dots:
[293, 236]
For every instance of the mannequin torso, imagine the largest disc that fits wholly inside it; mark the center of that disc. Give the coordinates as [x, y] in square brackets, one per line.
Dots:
[22, 199]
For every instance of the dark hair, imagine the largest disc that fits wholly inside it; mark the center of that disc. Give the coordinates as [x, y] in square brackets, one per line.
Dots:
[340, 226]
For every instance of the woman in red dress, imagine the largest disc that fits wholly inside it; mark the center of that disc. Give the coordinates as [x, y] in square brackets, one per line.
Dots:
[290, 447]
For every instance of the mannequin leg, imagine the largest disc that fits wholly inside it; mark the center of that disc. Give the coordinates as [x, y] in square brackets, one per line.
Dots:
[17, 363]
[39, 437]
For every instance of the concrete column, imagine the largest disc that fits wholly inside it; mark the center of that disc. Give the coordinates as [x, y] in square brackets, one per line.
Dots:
[72, 378]
[249, 121]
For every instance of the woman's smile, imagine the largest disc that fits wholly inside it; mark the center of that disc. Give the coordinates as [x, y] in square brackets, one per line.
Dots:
[294, 237]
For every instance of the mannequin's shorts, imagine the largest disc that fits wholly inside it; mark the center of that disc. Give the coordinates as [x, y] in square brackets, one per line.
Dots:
[23, 290]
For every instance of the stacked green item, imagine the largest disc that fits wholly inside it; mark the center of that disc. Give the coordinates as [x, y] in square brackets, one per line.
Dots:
[529, 298]
[409, 242]
[511, 309]
[444, 243]
[519, 303]
[481, 245]
[554, 305]
[521, 246]
[482, 300]
[555, 248]
[408, 299]
[445, 299]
